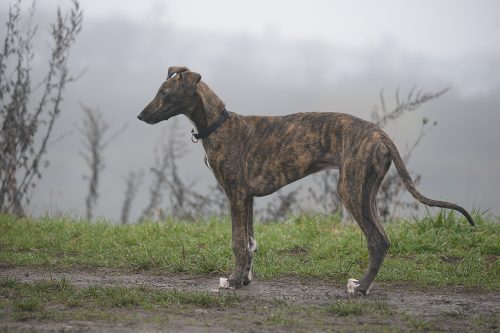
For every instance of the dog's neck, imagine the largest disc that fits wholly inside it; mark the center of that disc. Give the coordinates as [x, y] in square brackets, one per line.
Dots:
[208, 110]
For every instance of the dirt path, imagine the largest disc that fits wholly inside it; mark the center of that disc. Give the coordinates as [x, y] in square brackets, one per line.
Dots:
[281, 305]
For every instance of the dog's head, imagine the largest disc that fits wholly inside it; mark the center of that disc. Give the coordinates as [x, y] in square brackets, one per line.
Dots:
[176, 95]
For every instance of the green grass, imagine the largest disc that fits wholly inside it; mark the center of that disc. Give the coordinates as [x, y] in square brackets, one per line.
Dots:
[33, 300]
[32, 296]
[435, 251]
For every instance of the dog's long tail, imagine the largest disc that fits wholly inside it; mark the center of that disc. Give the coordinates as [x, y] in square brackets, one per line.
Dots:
[410, 186]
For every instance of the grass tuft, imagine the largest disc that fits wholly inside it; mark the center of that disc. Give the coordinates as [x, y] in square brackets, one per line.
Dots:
[345, 308]
[30, 304]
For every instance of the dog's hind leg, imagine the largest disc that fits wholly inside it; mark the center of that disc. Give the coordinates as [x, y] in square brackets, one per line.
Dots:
[241, 212]
[359, 182]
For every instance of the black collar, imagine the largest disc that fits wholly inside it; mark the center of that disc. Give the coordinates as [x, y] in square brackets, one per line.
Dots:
[210, 129]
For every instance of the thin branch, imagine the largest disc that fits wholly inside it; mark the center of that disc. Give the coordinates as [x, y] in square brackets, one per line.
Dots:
[412, 102]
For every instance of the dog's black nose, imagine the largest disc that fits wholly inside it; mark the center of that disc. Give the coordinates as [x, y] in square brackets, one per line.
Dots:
[140, 116]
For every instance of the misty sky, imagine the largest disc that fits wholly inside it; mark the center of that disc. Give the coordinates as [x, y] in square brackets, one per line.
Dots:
[279, 57]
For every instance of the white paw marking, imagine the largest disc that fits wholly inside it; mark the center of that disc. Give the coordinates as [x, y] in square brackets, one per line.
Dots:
[351, 286]
[224, 284]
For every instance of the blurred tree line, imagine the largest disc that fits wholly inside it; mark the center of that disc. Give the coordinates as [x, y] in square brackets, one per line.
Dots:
[28, 112]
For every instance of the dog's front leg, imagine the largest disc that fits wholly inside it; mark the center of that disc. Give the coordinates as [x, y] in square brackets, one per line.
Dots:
[241, 209]
[252, 245]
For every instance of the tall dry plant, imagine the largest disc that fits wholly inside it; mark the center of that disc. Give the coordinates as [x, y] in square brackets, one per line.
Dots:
[133, 182]
[27, 123]
[95, 140]
[167, 151]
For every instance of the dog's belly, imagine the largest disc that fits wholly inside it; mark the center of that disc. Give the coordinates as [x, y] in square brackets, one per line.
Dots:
[269, 182]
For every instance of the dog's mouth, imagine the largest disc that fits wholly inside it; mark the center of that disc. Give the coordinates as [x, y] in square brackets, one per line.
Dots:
[148, 119]
[152, 117]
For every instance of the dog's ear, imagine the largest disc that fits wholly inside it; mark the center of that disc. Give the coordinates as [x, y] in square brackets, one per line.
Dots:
[176, 69]
[190, 81]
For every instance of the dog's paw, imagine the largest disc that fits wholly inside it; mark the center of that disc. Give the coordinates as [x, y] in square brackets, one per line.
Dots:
[352, 284]
[248, 279]
[223, 283]
[356, 288]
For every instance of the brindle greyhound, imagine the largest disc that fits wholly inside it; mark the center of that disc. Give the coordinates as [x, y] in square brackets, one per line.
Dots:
[255, 156]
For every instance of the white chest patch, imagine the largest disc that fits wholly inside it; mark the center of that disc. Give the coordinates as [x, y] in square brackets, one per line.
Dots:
[208, 164]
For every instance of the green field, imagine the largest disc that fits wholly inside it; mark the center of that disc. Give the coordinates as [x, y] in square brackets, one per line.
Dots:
[435, 251]
[64, 274]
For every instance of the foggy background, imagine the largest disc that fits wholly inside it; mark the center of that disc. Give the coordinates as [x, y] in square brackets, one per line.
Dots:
[274, 58]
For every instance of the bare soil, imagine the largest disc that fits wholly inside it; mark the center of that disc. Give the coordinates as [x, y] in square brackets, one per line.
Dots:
[288, 304]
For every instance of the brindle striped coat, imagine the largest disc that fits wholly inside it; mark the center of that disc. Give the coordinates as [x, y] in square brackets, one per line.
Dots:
[255, 156]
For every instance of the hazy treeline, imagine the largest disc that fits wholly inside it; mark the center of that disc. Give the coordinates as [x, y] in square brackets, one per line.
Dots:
[29, 110]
